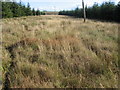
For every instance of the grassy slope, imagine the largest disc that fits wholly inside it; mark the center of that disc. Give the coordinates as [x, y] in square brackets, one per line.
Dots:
[59, 51]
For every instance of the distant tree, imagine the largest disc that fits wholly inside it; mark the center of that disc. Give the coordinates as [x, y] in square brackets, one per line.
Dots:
[15, 8]
[0, 9]
[38, 12]
[21, 9]
[95, 12]
[10, 8]
[6, 10]
[106, 11]
[42, 13]
[77, 12]
[28, 10]
[117, 12]
[33, 12]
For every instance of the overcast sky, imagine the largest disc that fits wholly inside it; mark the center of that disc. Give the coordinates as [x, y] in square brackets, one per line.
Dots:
[57, 5]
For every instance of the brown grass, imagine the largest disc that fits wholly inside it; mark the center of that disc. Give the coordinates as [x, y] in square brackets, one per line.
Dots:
[59, 52]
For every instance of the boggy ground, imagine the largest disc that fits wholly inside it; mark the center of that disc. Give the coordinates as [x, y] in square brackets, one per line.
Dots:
[55, 51]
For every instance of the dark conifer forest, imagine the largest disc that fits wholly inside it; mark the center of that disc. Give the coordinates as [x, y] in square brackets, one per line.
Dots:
[14, 9]
[106, 11]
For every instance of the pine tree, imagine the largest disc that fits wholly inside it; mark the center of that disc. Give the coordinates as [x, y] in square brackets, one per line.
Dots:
[33, 12]
[118, 12]
[15, 9]
[28, 10]
[0, 9]
[37, 12]
[21, 9]
[6, 10]
[107, 11]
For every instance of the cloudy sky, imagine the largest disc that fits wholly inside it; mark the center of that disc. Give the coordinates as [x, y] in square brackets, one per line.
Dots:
[57, 5]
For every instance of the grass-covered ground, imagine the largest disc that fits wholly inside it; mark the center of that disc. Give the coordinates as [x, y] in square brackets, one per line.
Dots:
[59, 51]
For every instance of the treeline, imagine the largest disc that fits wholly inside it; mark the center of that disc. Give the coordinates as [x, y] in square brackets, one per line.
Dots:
[106, 11]
[14, 9]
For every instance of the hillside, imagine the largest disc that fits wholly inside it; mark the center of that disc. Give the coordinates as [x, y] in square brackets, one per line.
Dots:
[54, 51]
[51, 13]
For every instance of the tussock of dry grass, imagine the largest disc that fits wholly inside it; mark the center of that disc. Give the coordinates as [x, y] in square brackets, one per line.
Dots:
[59, 51]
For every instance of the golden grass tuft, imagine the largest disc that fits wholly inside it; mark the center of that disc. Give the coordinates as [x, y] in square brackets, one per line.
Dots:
[59, 52]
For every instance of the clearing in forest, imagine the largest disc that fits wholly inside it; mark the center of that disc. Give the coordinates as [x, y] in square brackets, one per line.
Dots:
[59, 51]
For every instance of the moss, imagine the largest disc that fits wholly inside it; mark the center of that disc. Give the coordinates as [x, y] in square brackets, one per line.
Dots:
[26, 70]
[34, 46]
[70, 82]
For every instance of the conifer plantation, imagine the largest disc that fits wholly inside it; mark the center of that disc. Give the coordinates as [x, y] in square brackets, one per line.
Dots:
[14, 9]
[106, 11]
